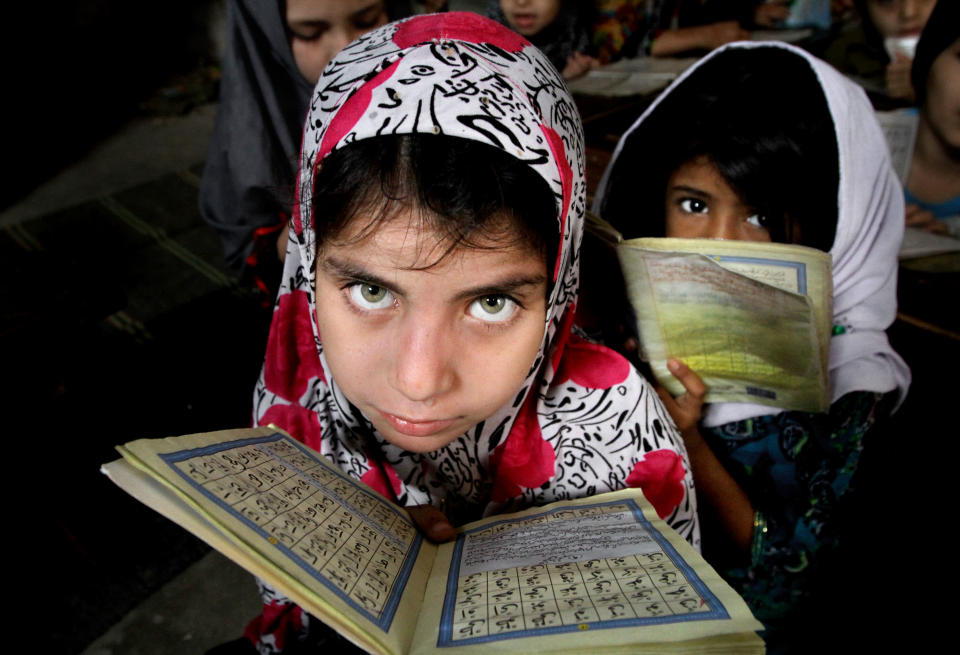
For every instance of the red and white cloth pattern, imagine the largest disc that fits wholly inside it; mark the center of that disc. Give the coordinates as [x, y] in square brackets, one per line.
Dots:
[584, 422]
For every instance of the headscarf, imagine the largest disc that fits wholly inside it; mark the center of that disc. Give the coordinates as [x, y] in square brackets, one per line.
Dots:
[584, 421]
[251, 159]
[864, 253]
[256, 136]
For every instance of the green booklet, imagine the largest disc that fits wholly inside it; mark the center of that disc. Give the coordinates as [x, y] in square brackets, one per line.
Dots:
[753, 320]
[601, 573]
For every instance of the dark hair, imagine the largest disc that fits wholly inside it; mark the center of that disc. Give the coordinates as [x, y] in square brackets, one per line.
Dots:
[473, 194]
[941, 30]
[760, 116]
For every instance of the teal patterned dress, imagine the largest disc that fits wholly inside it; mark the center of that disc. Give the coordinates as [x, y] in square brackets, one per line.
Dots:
[796, 468]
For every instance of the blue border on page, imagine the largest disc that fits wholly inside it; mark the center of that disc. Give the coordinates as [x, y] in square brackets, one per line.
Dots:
[390, 607]
[716, 611]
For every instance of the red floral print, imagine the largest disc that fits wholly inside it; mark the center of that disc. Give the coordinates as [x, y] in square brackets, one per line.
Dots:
[591, 365]
[292, 359]
[301, 423]
[524, 459]
[660, 476]
[455, 26]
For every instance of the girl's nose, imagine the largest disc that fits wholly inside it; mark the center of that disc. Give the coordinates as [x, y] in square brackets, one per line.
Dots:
[340, 38]
[908, 9]
[425, 361]
[723, 226]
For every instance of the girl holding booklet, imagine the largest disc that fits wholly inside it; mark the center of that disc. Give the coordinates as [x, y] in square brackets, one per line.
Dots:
[422, 336]
[762, 142]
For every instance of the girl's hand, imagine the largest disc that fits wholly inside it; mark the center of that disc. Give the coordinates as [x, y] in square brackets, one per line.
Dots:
[898, 78]
[432, 523]
[718, 34]
[771, 14]
[578, 64]
[686, 408]
[925, 220]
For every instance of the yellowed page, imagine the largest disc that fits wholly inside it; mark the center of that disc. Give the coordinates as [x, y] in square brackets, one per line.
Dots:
[340, 550]
[597, 573]
[752, 319]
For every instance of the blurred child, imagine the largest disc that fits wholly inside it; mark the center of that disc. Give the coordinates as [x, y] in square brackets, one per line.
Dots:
[662, 28]
[422, 337]
[560, 28]
[762, 142]
[933, 186]
[878, 50]
[274, 54]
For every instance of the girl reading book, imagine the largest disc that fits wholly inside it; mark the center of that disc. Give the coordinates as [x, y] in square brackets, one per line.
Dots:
[422, 335]
[762, 142]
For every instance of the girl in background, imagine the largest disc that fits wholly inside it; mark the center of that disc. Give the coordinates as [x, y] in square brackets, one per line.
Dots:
[560, 28]
[878, 50]
[274, 54]
[762, 142]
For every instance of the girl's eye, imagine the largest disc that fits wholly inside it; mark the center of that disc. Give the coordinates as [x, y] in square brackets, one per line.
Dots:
[758, 220]
[367, 22]
[693, 206]
[310, 33]
[492, 309]
[370, 296]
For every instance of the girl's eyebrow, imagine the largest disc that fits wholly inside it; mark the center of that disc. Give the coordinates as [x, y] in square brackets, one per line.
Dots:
[506, 285]
[689, 189]
[369, 8]
[347, 269]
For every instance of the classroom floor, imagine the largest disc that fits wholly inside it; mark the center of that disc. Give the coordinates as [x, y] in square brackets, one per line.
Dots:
[120, 322]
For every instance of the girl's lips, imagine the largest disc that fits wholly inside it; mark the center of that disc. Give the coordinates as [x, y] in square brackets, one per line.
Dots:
[524, 20]
[417, 428]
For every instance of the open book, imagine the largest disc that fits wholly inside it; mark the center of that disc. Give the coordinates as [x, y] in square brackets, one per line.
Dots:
[753, 320]
[601, 573]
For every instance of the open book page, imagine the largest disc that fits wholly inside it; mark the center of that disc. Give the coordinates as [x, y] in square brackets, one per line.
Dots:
[576, 576]
[629, 77]
[337, 548]
[794, 35]
[919, 243]
[752, 319]
[900, 130]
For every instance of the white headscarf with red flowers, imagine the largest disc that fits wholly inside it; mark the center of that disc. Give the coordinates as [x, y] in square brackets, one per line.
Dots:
[584, 421]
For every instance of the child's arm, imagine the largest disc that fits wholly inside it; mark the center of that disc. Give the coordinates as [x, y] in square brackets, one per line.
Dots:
[898, 78]
[713, 482]
[578, 64]
[700, 37]
[925, 220]
[771, 14]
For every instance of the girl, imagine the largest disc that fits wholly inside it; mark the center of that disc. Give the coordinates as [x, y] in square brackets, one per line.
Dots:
[933, 186]
[560, 28]
[275, 52]
[763, 142]
[422, 336]
[878, 50]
